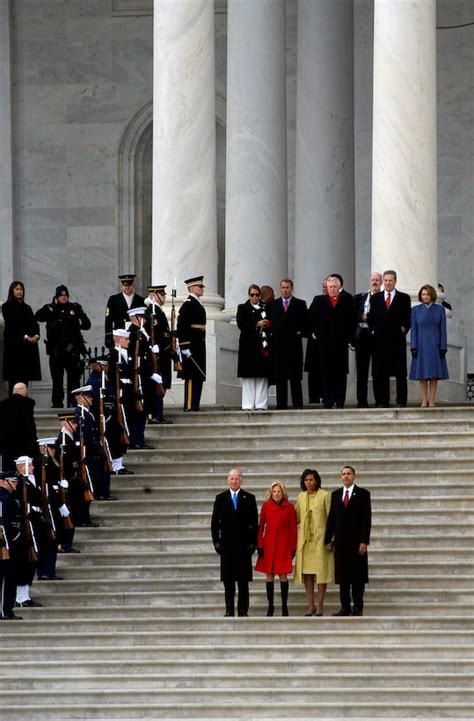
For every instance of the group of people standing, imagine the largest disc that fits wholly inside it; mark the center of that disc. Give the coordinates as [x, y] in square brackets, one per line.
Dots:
[375, 324]
[325, 534]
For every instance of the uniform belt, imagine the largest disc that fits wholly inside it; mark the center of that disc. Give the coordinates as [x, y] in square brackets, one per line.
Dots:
[198, 326]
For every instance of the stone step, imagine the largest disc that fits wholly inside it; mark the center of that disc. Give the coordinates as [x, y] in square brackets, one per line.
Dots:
[166, 679]
[206, 556]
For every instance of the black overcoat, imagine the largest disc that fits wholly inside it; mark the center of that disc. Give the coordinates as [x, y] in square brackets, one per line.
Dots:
[116, 314]
[287, 332]
[192, 336]
[252, 363]
[350, 526]
[234, 533]
[334, 329]
[17, 429]
[390, 352]
[21, 361]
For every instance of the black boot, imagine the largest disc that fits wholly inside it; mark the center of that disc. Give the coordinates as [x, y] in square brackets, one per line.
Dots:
[284, 597]
[270, 590]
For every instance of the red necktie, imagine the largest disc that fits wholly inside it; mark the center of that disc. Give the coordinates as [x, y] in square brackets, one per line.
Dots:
[345, 500]
[387, 301]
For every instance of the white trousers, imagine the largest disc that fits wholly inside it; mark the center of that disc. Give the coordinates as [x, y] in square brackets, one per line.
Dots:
[254, 394]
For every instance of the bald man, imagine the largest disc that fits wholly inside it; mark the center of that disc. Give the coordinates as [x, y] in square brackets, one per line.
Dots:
[17, 427]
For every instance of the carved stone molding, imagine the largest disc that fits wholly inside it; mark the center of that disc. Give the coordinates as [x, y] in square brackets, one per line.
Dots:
[145, 7]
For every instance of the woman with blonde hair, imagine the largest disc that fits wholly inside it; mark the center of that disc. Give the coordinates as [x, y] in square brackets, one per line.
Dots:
[314, 561]
[276, 543]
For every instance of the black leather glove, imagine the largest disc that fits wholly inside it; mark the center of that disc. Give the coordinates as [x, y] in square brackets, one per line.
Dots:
[442, 352]
[260, 552]
[414, 352]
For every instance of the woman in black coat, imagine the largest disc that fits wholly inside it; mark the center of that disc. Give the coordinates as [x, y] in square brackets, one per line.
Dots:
[21, 360]
[253, 351]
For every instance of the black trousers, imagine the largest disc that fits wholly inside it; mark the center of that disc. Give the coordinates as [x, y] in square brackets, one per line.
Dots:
[242, 600]
[192, 394]
[334, 389]
[382, 389]
[356, 603]
[58, 365]
[282, 393]
[364, 349]
[8, 582]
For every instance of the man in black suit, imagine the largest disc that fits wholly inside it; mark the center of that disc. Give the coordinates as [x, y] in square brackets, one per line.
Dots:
[363, 338]
[118, 305]
[234, 528]
[389, 322]
[288, 316]
[332, 324]
[348, 531]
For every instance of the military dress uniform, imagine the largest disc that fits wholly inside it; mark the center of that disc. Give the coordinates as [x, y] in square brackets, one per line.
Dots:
[192, 342]
[69, 459]
[64, 343]
[160, 335]
[118, 305]
[142, 384]
[10, 521]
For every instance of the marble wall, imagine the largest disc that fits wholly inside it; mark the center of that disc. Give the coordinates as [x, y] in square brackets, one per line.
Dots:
[81, 74]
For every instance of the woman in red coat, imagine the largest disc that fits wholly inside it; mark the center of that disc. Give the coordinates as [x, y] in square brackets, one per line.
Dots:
[277, 539]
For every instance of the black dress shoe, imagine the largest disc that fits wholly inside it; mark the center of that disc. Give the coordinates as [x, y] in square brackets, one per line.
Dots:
[28, 604]
[228, 614]
[166, 421]
[89, 524]
[124, 472]
[401, 405]
[69, 550]
[357, 613]
[147, 447]
[242, 615]
[50, 578]
[11, 617]
[343, 612]
[107, 498]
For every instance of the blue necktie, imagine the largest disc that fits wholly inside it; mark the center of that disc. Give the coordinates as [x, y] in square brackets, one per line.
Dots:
[234, 500]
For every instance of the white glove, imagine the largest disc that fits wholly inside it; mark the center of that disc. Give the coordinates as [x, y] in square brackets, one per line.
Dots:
[64, 484]
[125, 381]
[155, 348]
[156, 377]
[64, 511]
[186, 353]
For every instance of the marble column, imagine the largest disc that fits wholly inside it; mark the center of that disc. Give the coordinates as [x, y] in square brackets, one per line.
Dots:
[6, 152]
[256, 183]
[404, 179]
[324, 192]
[184, 147]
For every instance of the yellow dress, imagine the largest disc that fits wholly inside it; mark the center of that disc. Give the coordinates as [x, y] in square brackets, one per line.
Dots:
[312, 556]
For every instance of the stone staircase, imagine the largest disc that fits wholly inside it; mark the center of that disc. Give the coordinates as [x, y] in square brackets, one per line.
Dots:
[136, 628]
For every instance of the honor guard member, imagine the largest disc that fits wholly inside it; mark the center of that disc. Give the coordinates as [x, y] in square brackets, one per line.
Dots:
[64, 342]
[192, 342]
[120, 376]
[47, 478]
[87, 436]
[160, 347]
[116, 312]
[31, 532]
[10, 541]
[142, 377]
[70, 483]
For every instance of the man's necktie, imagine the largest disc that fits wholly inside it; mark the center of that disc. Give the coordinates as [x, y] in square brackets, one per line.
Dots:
[345, 500]
[285, 305]
[234, 500]
[387, 301]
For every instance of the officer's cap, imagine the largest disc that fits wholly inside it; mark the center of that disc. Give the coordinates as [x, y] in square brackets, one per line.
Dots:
[46, 441]
[67, 417]
[136, 311]
[158, 289]
[197, 280]
[23, 460]
[82, 391]
[127, 278]
[121, 333]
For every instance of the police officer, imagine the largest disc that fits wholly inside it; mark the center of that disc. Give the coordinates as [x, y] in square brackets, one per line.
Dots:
[64, 342]
[118, 305]
[192, 342]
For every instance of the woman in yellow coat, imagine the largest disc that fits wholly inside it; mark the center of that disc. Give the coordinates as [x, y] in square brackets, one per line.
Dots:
[314, 561]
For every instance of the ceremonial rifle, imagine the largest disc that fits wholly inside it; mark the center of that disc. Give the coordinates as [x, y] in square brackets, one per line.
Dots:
[85, 475]
[121, 417]
[4, 547]
[67, 522]
[137, 380]
[102, 437]
[155, 361]
[46, 507]
[177, 365]
[32, 548]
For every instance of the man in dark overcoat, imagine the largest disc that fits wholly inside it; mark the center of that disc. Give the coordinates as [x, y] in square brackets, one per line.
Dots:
[17, 427]
[191, 331]
[234, 529]
[348, 531]
[288, 316]
[364, 341]
[332, 323]
[118, 305]
[389, 322]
